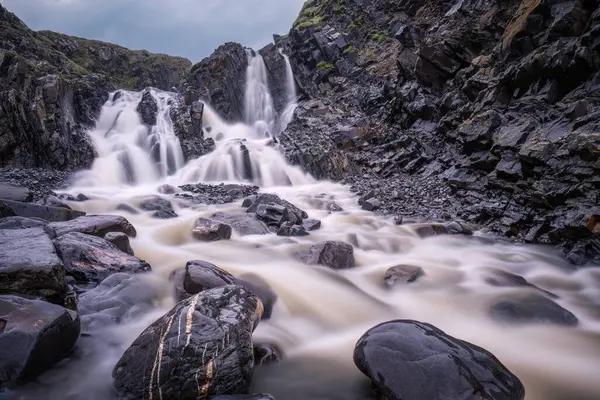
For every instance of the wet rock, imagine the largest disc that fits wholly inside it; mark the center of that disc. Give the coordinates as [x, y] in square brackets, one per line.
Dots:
[371, 204]
[201, 348]
[243, 224]
[23, 223]
[311, 224]
[163, 209]
[119, 298]
[121, 240]
[275, 215]
[506, 279]
[202, 275]
[413, 360]
[265, 354]
[127, 208]
[459, 228]
[176, 279]
[429, 230]
[29, 264]
[261, 396]
[532, 309]
[336, 255]
[54, 201]
[166, 189]
[290, 229]
[6, 211]
[48, 213]
[217, 194]
[402, 273]
[271, 199]
[257, 285]
[92, 259]
[15, 193]
[208, 230]
[96, 225]
[147, 108]
[34, 335]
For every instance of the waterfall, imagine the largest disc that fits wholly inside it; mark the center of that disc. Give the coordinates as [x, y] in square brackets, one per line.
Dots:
[258, 105]
[291, 97]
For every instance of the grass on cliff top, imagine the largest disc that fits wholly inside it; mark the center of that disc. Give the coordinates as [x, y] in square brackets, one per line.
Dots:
[313, 12]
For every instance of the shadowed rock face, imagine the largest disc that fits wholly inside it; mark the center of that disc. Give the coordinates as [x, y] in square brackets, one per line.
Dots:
[409, 360]
[199, 349]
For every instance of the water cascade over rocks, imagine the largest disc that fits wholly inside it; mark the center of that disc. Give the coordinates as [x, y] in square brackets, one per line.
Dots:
[317, 311]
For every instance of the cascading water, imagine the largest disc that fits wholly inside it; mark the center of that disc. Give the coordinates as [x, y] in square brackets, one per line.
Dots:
[290, 90]
[258, 106]
[320, 313]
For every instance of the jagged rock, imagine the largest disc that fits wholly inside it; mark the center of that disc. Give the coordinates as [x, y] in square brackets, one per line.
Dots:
[290, 229]
[532, 308]
[257, 285]
[216, 194]
[209, 354]
[371, 204]
[208, 230]
[34, 335]
[336, 255]
[15, 193]
[272, 199]
[15, 222]
[29, 264]
[202, 275]
[311, 224]
[120, 240]
[413, 360]
[147, 109]
[275, 215]
[31, 210]
[163, 209]
[265, 354]
[243, 224]
[96, 225]
[54, 201]
[90, 258]
[402, 273]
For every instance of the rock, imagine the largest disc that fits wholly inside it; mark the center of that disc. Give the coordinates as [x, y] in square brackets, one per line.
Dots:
[311, 224]
[176, 278]
[502, 278]
[275, 215]
[23, 223]
[119, 298]
[201, 348]
[208, 230]
[127, 208]
[6, 211]
[120, 240]
[257, 285]
[202, 275]
[243, 224]
[166, 189]
[413, 360]
[271, 199]
[96, 225]
[92, 259]
[402, 273]
[29, 264]
[265, 354]
[34, 335]
[371, 204]
[217, 194]
[532, 308]
[31, 210]
[147, 108]
[163, 209]
[54, 201]
[15, 193]
[261, 396]
[289, 229]
[429, 230]
[336, 255]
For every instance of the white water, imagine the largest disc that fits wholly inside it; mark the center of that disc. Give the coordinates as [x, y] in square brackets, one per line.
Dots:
[291, 96]
[321, 313]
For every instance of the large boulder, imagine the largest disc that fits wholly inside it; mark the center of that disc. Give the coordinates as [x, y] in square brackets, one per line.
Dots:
[409, 360]
[163, 209]
[533, 308]
[208, 230]
[242, 224]
[202, 275]
[97, 225]
[201, 348]
[15, 193]
[15, 222]
[32, 210]
[332, 254]
[253, 203]
[92, 259]
[121, 240]
[29, 264]
[34, 335]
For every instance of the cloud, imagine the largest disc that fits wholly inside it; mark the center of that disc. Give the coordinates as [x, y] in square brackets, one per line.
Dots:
[188, 28]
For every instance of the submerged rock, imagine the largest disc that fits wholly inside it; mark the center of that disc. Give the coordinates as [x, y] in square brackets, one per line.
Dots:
[96, 225]
[409, 360]
[208, 230]
[244, 224]
[34, 335]
[290, 229]
[402, 273]
[201, 348]
[163, 209]
[532, 308]
[90, 258]
[336, 255]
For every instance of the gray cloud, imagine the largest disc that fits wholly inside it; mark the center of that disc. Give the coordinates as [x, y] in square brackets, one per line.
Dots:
[188, 28]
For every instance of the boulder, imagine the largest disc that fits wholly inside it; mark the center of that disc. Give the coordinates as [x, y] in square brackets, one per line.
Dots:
[202, 275]
[34, 335]
[260, 288]
[208, 230]
[409, 360]
[244, 224]
[265, 354]
[290, 229]
[267, 198]
[371, 204]
[199, 349]
[166, 189]
[96, 225]
[15, 193]
[54, 201]
[32, 210]
[120, 240]
[147, 108]
[402, 273]
[500, 278]
[311, 224]
[29, 264]
[92, 259]
[275, 215]
[163, 209]
[533, 308]
[23, 223]
[335, 255]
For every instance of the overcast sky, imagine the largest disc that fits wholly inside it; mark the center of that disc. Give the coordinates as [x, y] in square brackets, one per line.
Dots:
[188, 28]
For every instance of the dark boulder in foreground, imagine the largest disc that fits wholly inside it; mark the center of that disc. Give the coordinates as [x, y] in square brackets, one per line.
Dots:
[208, 230]
[261, 288]
[199, 349]
[90, 258]
[409, 360]
[243, 225]
[336, 255]
[532, 308]
[97, 225]
[32, 210]
[262, 396]
[29, 264]
[202, 275]
[34, 335]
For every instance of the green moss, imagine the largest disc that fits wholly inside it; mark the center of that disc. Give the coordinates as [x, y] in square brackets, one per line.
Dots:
[339, 9]
[380, 37]
[309, 22]
[322, 65]
[349, 49]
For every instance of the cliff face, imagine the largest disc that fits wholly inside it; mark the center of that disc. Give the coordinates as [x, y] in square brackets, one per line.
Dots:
[52, 87]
